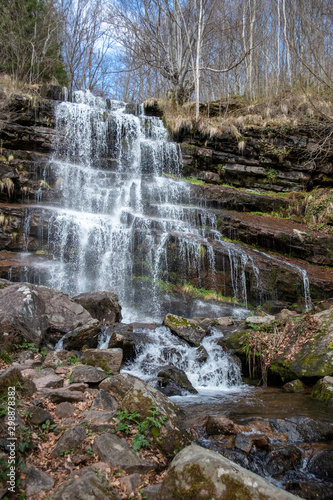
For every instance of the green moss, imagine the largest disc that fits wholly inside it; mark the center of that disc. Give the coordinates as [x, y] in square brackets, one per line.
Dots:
[192, 484]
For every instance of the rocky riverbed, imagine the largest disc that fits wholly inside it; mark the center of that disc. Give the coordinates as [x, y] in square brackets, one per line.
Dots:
[85, 426]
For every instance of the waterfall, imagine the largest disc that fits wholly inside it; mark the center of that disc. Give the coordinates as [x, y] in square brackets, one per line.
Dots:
[121, 217]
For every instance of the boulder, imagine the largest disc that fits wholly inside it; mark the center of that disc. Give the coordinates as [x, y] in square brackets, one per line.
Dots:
[121, 336]
[119, 455]
[62, 395]
[37, 482]
[85, 485]
[294, 386]
[120, 384]
[221, 425]
[57, 358]
[315, 358]
[200, 473]
[283, 459]
[173, 381]
[321, 465]
[71, 440]
[107, 359]
[103, 306]
[145, 399]
[323, 390]
[186, 329]
[10, 377]
[31, 312]
[88, 374]
[83, 336]
[49, 381]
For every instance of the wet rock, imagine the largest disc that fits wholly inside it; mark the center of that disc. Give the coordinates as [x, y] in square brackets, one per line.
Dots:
[310, 489]
[72, 439]
[244, 442]
[121, 336]
[323, 390]
[221, 425]
[119, 455]
[65, 410]
[39, 416]
[186, 329]
[86, 486]
[88, 374]
[83, 336]
[37, 482]
[102, 305]
[103, 401]
[205, 474]
[294, 386]
[201, 355]
[107, 359]
[178, 377]
[283, 459]
[321, 465]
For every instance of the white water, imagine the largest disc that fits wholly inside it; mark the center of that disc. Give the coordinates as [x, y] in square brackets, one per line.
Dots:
[160, 347]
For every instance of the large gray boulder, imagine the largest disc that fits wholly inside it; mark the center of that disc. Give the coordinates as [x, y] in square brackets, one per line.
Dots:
[185, 329]
[199, 473]
[31, 312]
[103, 306]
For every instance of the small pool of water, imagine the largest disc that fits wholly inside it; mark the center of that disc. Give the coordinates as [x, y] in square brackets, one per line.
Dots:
[253, 402]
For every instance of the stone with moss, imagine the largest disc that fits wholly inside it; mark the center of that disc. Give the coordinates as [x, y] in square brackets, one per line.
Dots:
[294, 386]
[146, 400]
[323, 390]
[107, 359]
[200, 473]
[184, 328]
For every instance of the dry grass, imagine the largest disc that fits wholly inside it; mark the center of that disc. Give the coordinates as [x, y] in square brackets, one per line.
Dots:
[290, 109]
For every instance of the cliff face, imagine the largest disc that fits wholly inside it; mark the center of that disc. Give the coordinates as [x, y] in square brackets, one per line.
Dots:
[229, 170]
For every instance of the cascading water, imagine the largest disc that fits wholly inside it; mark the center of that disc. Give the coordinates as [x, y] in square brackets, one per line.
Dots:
[121, 218]
[215, 372]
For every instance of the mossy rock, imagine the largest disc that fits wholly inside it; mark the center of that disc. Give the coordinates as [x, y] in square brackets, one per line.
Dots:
[323, 390]
[200, 473]
[142, 398]
[184, 328]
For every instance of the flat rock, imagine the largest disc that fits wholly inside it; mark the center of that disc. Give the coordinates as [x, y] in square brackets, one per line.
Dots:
[62, 395]
[88, 374]
[98, 417]
[119, 455]
[151, 492]
[65, 410]
[37, 482]
[85, 485]
[50, 381]
[184, 328]
[208, 475]
[56, 359]
[107, 359]
[71, 439]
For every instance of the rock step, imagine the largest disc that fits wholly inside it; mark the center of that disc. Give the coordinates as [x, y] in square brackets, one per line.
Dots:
[278, 235]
